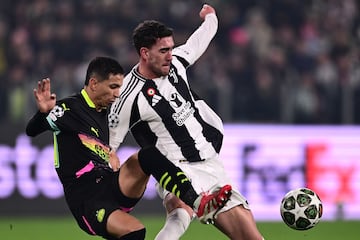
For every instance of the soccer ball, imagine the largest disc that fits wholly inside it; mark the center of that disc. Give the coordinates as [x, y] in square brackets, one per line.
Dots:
[301, 209]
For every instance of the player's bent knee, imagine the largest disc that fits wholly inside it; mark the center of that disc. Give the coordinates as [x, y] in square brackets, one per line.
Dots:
[172, 202]
[135, 235]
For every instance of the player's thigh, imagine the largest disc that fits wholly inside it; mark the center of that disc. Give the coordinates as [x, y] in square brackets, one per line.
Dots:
[132, 180]
[120, 223]
[238, 224]
[206, 175]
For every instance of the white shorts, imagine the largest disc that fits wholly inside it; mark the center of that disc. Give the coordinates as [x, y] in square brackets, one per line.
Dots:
[206, 176]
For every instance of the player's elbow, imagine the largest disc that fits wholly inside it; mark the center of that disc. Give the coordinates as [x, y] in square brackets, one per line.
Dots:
[33, 129]
[30, 132]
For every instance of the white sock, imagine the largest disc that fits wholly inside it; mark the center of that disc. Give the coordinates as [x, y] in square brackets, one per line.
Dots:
[176, 224]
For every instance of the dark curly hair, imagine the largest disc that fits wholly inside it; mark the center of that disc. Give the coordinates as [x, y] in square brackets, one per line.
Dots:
[147, 32]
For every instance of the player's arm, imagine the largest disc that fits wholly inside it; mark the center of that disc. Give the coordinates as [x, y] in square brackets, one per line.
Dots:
[37, 124]
[198, 42]
[45, 101]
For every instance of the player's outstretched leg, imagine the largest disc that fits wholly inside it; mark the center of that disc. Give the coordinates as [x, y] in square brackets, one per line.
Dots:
[173, 179]
[207, 205]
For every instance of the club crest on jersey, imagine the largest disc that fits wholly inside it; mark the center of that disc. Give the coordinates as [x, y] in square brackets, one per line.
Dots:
[172, 75]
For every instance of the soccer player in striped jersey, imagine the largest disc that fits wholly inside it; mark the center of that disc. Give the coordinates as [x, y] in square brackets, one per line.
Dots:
[99, 192]
[159, 108]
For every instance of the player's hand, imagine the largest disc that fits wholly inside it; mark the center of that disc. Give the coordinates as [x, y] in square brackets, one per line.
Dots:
[45, 100]
[206, 9]
[114, 161]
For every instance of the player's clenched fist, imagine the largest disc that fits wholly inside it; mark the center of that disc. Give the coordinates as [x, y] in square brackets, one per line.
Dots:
[206, 9]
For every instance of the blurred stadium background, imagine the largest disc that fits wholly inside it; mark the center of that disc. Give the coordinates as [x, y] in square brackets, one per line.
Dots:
[283, 74]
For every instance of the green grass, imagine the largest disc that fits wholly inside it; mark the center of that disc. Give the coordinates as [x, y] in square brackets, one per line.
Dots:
[61, 228]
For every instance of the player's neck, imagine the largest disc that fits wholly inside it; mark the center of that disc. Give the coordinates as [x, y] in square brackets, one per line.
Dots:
[145, 72]
[91, 99]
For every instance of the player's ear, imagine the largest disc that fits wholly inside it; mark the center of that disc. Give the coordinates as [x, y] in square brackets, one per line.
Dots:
[144, 52]
[93, 83]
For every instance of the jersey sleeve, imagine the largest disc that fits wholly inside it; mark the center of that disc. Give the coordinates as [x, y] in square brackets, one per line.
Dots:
[37, 124]
[64, 116]
[120, 116]
[118, 122]
[198, 42]
[54, 121]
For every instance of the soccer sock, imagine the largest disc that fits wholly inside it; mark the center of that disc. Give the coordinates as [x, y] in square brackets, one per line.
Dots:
[135, 235]
[177, 221]
[169, 176]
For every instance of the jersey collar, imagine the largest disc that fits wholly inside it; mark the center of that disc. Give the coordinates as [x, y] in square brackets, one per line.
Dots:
[87, 98]
[135, 71]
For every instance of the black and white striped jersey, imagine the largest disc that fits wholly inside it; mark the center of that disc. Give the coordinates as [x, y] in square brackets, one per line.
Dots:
[164, 112]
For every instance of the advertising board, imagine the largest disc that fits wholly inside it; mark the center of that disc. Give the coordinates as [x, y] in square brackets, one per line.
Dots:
[264, 162]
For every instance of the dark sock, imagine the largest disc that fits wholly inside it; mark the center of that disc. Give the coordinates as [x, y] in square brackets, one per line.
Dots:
[135, 235]
[169, 176]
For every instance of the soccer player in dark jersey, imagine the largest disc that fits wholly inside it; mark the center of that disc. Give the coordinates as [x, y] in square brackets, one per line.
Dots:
[159, 108]
[100, 193]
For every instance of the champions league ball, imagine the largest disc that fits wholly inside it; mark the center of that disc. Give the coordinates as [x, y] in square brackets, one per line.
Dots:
[301, 209]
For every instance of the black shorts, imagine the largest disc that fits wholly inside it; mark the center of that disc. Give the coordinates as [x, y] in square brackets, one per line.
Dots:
[94, 197]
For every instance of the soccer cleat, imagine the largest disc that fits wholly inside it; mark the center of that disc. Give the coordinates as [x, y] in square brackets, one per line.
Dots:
[209, 204]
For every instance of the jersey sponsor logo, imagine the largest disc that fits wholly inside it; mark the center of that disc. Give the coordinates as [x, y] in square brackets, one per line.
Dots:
[183, 109]
[99, 149]
[185, 112]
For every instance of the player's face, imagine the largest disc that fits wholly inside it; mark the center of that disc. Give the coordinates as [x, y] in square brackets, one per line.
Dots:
[159, 57]
[108, 90]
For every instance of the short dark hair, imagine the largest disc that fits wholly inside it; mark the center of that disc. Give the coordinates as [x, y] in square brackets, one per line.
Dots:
[102, 67]
[147, 32]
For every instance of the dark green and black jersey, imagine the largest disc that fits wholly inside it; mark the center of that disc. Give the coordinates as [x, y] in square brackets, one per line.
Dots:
[81, 136]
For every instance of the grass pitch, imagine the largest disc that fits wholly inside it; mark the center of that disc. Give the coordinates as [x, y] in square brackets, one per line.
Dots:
[61, 228]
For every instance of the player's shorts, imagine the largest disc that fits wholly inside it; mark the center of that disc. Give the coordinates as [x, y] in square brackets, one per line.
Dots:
[206, 176]
[94, 197]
